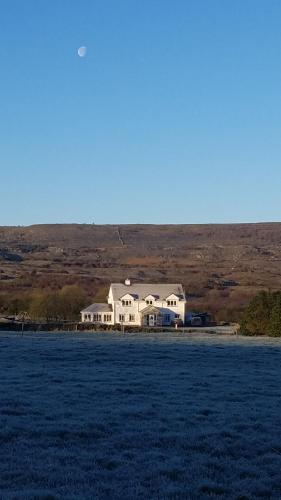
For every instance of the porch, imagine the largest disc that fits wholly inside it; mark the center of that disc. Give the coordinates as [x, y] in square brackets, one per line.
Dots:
[151, 316]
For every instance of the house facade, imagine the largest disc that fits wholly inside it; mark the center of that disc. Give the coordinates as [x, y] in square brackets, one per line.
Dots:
[139, 304]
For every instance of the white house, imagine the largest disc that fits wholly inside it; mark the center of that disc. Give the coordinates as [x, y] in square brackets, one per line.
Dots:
[141, 304]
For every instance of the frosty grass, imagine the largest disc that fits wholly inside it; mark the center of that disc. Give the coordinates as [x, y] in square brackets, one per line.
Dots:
[147, 416]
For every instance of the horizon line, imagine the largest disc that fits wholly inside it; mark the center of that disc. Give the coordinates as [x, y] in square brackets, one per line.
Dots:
[136, 224]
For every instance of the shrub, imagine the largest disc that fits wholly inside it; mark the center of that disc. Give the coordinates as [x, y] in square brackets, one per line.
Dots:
[263, 315]
[274, 327]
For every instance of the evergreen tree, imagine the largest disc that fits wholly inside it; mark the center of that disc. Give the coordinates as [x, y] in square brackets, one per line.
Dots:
[255, 320]
[274, 327]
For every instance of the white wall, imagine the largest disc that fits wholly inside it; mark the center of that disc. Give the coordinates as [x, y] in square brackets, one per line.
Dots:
[127, 310]
[86, 316]
[137, 306]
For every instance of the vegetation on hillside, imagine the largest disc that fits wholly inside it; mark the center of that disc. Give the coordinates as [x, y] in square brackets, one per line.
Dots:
[222, 266]
[263, 315]
[64, 304]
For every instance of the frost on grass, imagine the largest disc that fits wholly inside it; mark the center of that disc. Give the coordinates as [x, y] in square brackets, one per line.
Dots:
[163, 416]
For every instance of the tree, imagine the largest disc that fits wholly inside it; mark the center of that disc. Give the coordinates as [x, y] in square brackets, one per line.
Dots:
[44, 306]
[16, 304]
[55, 306]
[274, 327]
[71, 300]
[255, 320]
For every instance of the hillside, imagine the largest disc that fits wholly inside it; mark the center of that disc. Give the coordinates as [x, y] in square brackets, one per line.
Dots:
[220, 265]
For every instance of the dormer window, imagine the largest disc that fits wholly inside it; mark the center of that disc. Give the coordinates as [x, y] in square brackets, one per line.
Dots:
[172, 303]
[150, 299]
[126, 303]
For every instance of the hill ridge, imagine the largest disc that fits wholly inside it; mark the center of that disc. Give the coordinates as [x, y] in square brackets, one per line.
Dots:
[206, 258]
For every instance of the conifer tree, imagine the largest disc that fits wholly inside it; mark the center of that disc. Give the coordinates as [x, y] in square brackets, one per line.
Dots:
[274, 327]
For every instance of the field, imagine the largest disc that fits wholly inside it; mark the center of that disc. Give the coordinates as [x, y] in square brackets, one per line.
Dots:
[147, 416]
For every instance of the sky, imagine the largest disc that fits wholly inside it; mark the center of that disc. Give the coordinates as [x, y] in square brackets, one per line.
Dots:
[173, 115]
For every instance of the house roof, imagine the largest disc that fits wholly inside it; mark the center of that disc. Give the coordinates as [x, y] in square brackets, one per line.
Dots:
[150, 310]
[133, 295]
[97, 308]
[142, 290]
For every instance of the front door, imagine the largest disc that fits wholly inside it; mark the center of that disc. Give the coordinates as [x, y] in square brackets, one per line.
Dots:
[151, 319]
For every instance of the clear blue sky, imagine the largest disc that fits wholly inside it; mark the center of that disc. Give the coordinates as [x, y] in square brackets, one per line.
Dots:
[174, 115]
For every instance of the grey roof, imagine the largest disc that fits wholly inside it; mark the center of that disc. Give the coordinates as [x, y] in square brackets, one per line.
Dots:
[150, 310]
[97, 308]
[142, 290]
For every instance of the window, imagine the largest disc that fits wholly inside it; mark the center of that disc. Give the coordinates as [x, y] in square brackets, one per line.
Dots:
[126, 303]
[149, 302]
[87, 317]
[177, 316]
[131, 318]
[121, 318]
[172, 303]
[97, 317]
[107, 318]
[167, 318]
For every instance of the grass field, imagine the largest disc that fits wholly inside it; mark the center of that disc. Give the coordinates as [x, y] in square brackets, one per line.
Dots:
[101, 416]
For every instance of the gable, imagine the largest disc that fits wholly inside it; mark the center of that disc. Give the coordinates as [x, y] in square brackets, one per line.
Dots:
[151, 297]
[128, 296]
[173, 296]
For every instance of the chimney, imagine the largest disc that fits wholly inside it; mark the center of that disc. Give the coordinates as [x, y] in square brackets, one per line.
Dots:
[127, 282]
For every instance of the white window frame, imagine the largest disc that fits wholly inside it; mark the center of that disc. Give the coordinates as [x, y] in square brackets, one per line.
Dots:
[126, 303]
[172, 303]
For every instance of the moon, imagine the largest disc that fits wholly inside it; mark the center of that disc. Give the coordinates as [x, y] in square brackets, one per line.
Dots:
[82, 51]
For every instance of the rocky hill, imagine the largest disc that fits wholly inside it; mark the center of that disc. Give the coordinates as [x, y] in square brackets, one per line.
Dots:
[220, 265]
